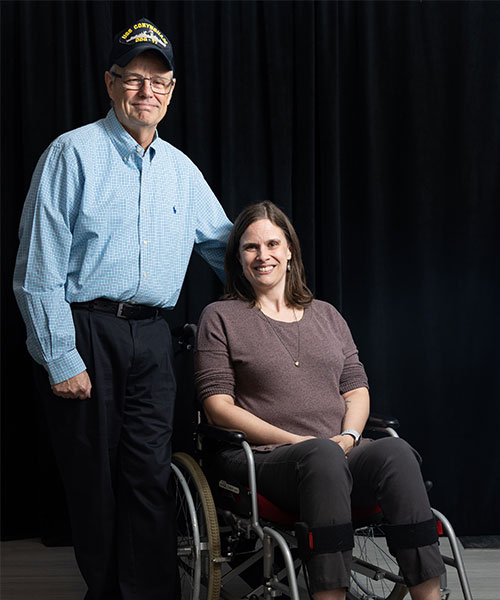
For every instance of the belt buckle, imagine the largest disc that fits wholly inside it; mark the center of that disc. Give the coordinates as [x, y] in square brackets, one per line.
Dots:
[119, 312]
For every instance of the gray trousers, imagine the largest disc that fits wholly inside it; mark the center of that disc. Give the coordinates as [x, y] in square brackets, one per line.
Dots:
[316, 480]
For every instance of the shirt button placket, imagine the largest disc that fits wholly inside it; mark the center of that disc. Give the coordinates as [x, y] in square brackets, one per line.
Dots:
[144, 213]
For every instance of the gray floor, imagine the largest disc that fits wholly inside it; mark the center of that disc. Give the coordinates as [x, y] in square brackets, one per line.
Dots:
[30, 571]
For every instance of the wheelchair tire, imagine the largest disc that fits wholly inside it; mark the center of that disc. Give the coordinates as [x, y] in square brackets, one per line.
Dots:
[198, 540]
[373, 567]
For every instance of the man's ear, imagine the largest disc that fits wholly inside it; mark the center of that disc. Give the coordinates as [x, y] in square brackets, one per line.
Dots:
[108, 80]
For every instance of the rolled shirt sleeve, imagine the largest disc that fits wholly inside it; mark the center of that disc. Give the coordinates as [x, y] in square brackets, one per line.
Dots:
[212, 228]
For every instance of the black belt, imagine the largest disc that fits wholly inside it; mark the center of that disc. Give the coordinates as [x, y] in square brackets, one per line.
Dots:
[124, 310]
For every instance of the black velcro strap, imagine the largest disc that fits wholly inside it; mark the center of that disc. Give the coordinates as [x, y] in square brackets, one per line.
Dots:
[322, 540]
[414, 535]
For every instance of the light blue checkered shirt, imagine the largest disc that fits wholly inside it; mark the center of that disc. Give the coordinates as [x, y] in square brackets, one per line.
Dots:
[104, 219]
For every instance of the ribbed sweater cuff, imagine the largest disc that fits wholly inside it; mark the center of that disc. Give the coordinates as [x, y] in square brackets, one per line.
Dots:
[213, 390]
[354, 384]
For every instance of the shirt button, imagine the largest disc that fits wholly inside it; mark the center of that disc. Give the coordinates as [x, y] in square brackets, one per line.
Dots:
[144, 275]
[125, 158]
[139, 149]
[145, 242]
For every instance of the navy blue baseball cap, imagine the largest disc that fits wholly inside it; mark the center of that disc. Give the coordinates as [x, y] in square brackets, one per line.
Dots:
[136, 39]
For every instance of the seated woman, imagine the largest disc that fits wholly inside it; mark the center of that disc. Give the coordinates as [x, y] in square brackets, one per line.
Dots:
[282, 367]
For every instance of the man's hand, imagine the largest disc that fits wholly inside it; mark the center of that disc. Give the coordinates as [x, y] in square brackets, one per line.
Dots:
[78, 386]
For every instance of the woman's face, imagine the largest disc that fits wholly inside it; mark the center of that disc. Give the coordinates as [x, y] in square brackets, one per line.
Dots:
[264, 254]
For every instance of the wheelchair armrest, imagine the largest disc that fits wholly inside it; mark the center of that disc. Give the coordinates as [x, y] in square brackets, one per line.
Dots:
[376, 420]
[227, 436]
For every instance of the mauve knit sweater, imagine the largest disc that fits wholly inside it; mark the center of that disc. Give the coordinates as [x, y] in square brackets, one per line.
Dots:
[243, 353]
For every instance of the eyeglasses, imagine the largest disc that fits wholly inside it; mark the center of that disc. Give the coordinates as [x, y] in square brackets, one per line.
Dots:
[134, 81]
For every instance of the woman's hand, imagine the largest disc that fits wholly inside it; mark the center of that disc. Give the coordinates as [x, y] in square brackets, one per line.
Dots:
[346, 442]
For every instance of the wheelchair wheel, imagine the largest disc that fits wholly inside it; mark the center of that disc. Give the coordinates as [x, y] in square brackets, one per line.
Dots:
[374, 572]
[198, 541]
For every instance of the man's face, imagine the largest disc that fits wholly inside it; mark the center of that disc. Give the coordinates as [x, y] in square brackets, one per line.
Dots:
[140, 109]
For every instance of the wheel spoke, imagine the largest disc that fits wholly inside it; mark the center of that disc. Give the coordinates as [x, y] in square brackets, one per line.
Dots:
[369, 583]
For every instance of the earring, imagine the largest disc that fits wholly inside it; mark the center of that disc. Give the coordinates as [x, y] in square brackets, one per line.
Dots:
[288, 266]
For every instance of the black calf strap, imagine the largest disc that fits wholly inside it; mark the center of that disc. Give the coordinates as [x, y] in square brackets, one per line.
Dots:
[322, 540]
[414, 535]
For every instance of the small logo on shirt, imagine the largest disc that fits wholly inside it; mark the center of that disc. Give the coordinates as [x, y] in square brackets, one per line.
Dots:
[174, 209]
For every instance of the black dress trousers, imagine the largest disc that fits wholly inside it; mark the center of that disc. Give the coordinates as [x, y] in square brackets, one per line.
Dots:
[114, 451]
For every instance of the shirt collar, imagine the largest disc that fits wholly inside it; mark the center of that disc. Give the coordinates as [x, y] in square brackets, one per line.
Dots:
[122, 140]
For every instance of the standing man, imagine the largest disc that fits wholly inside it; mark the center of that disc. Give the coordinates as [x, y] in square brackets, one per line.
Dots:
[107, 230]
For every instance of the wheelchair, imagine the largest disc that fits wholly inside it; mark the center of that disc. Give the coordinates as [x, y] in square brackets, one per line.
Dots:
[232, 543]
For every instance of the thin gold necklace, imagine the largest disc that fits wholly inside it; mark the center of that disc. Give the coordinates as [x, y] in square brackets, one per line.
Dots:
[296, 361]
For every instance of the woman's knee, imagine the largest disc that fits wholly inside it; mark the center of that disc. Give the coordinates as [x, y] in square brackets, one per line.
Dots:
[322, 463]
[395, 454]
[396, 479]
[320, 455]
[403, 455]
[380, 466]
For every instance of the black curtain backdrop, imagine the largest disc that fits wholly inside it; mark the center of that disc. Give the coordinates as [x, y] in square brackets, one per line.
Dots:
[375, 125]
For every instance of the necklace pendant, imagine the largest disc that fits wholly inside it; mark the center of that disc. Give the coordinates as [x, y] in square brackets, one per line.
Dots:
[296, 363]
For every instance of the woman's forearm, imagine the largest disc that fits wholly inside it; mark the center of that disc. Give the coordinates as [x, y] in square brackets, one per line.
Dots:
[221, 411]
[357, 403]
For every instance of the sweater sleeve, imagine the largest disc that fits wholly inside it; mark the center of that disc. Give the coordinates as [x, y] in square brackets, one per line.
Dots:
[214, 373]
[353, 374]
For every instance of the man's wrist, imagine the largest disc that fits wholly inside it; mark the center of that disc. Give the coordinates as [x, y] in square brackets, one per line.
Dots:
[65, 367]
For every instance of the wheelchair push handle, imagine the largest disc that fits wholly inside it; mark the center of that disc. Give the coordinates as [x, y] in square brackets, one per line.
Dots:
[184, 336]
